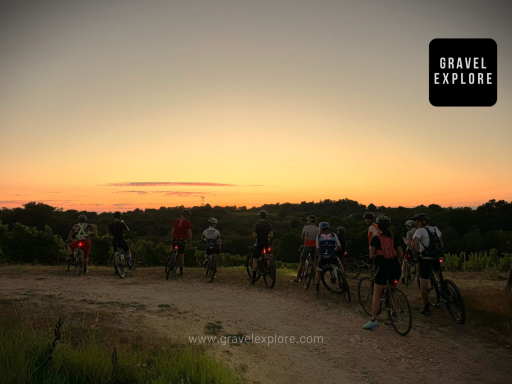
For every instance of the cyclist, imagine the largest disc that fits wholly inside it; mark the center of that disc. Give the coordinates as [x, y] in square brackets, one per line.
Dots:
[80, 233]
[411, 228]
[116, 228]
[427, 260]
[327, 243]
[369, 220]
[343, 240]
[262, 233]
[309, 234]
[384, 248]
[212, 235]
[181, 232]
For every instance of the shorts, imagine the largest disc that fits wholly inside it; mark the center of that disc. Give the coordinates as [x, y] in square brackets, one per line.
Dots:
[326, 260]
[180, 244]
[387, 269]
[258, 250]
[121, 244]
[212, 251]
[306, 251]
[86, 246]
[427, 265]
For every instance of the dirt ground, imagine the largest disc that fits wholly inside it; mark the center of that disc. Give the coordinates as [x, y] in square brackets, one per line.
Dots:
[435, 351]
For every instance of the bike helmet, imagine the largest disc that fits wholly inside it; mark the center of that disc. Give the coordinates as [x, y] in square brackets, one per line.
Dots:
[213, 220]
[263, 214]
[341, 229]
[368, 215]
[185, 212]
[117, 215]
[383, 222]
[324, 225]
[410, 224]
[312, 218]
[82, 218]
[421, 217]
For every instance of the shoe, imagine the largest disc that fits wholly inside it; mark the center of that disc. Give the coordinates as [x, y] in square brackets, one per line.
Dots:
[253, 281]
[371, 324]
[425, 311]
[296, 280]
[130, 268]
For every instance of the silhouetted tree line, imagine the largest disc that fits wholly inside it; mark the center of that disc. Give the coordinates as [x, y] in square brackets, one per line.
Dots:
[464, 229]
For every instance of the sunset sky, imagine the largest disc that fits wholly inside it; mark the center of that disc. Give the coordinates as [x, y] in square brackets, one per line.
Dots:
[116, 105]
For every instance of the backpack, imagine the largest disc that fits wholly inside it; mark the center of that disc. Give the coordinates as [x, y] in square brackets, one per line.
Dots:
[388, 247]
[435, 249]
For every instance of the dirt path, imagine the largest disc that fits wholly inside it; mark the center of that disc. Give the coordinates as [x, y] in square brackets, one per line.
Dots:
[178, 308]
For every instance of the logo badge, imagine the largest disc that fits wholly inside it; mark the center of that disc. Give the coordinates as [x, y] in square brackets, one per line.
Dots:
[463, 72]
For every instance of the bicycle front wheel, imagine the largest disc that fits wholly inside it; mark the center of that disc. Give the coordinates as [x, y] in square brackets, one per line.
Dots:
[399, 311]
[79, 262]
[344, 288]
[270, 275]
[454, 302]
[170, 264]
[213, 267]
[410, 273]
[352, 269]
[248, 264]
[365, 294]
[135, 260]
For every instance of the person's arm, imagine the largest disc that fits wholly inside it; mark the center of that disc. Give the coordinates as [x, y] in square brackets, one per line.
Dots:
[271, 235]
[70, 236]
[189, 235]
[125, 226]
[94, 229]
[400, 254]
[220, 242]
[303, 236]
[373, 250]
[318, 247]
[338, 244]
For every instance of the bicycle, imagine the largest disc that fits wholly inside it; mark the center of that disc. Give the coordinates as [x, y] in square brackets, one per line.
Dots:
[210, 263]
[410, 270]
[309, 269]
[509, 281]
[120, 263]
[78, 260]
[171, 264]
[335, 281]
[446, 294]
[352, 269]
[266, 266]
[399, 309]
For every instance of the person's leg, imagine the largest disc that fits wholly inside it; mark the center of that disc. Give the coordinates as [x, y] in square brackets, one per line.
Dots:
[181, 262]
[86, 248]
[318, 275]
[425, 268]
[377, 294]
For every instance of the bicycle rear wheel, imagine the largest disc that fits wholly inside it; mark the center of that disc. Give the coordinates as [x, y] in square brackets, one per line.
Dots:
[308, 275]
[79, 262]
[399, 311]
[433, 291]
[170, 264]
[365, 294]
[213, 267]
[134, 262]
[344, 287]
[454, 302]
[410, 273]
[270, 275]
[119, 265]
[352, 269]
[248, 264]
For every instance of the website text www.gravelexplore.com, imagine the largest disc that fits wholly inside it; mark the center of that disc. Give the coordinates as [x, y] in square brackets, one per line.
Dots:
[256, 339]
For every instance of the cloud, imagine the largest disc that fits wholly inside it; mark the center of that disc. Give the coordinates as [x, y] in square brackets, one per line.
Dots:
[256, 185]
[167, 183]
[182, 193]
[138, 192]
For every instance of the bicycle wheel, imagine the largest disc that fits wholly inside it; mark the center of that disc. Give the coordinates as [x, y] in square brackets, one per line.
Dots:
[170, 264]
[119, 265]
[509, 281]
[308, 275]
[135, 260]
[365, 294]
[79, 262]
[454, 301]
[213, 267]
[248, 264]
[330, 281]
[69, 264]
[352, 269]
[270, 275]
[399, 311]
[344, 287]
[410, 273]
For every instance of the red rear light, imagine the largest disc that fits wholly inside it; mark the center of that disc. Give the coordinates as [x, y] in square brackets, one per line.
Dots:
[346, 253]
[269, 249]
[79, 244]
[440, 260]
[395, 281]
[264, 250]
[175, 247]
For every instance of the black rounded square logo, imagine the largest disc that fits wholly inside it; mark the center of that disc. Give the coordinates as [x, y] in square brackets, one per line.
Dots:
[463, 72]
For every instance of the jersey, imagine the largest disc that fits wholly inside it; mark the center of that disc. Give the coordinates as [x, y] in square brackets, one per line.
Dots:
[180, 228]
[116, 229]
[262, 230]
[82, 231]
[421, 233]
[326, 242]
[211, 235]
[309, 234]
